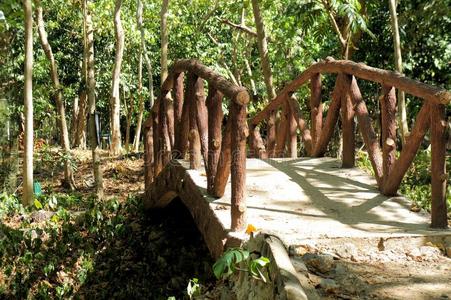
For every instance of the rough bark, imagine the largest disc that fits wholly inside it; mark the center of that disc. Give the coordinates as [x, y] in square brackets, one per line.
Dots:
[201, 119]
[141, 102]
[223, 170]
[438, 166]
[256, 143]
[58, 96]
[331, 118]
[347, 123]
[164, 40]
[148, 153]
[388, 120]
[236, 93]
[316, 107]
[27, 198]
[170, 119]
[91, 85]
[115, 103]
[408, 151]
[215, 116]
[292, 134]
[181, 111]
[194, 138]
[238, 167]
[366, 129]
[267, 74]
[129, 113]
[398, 65]
[301, 124]
[282, 132]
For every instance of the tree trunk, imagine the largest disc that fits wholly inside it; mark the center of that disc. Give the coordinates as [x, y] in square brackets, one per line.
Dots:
[80, 138]
[398, 65]
[115, 102]
[91, 85]
[267, 74]
[28, 107]
[141, 102]
[129, 114]
[164, 40]
[68, 173]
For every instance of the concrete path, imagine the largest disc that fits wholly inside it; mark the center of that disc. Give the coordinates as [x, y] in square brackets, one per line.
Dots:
[313, 198]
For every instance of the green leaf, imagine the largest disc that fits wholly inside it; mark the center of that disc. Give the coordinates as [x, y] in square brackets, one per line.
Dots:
[37, 204]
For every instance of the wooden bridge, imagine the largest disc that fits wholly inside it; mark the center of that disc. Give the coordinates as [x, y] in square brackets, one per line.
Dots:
[270, 187]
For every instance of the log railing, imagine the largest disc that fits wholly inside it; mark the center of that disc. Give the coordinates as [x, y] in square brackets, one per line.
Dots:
[185, 121]
[346, 97]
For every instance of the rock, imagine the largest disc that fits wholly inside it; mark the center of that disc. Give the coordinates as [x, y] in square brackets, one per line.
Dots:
[429, 252]
[319, 262]
[299, 265]
[329, 285]
[347, 250]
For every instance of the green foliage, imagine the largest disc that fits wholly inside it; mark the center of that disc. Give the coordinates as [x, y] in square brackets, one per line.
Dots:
[193, 289]
[233, 258]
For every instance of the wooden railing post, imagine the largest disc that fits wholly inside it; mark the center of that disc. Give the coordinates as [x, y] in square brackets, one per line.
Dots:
[282, 130]
[331, 118]
[408, 152]
[301, 123]
[158, 161]
[256, 144]
[316, 107]
[388, 120]
[347, 123]
[215, 116]
[438, 166]
[179, 125]
[292, 136]
[194, 139]
[223, 170]
[271, 139]
[201, 119]
[238, 167]
[163, 129]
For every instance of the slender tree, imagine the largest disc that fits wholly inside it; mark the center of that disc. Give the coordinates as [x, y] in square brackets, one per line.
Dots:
[91, 86]
[267, 73]
[28, 106]
[64, 134]
[398, 65]
[164, 40]
[143, 53]
[115, 102]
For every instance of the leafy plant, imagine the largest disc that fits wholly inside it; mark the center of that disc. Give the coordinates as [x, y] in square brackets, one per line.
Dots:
[193, 289]
[230, 262]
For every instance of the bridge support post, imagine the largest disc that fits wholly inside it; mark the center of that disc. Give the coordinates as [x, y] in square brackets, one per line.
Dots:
[347, 122]
[438, 166]
[215, 116]
[180, 118]
[388, 124]
[238, 168]
[194, 139]
[316, 107]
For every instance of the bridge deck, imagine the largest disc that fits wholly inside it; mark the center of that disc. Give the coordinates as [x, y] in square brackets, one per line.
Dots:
[313, 198]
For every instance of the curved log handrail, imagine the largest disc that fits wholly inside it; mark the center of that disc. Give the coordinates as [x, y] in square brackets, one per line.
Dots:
[191, 120]
[422, 90]
[347, 98]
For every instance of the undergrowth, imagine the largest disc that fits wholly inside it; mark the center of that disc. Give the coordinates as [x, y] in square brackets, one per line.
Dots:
[416, 184]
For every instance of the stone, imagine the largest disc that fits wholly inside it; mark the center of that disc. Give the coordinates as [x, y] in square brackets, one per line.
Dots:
[299, 265]
[329, 285]
[347, 250]
[322, 263]
[41, 215]
[448, 251]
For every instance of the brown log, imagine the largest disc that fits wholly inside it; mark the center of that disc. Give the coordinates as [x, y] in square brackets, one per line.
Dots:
[238, 94]
[360, 70]
[163, 129]
[170, 120]
[271, 139]
[366, 129]
[182, 145]
[347, 123]
[257, 146]
[178, 94]
[438, 166]
[215, 116]
[282, 132]
[238, 168]
[331, 118]
[408, 152]
[194, 138]
[302, 124]
[223, 170]
[388, 120]
[316, 107]
[148, 153]
[292, 134]
[202, 119]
